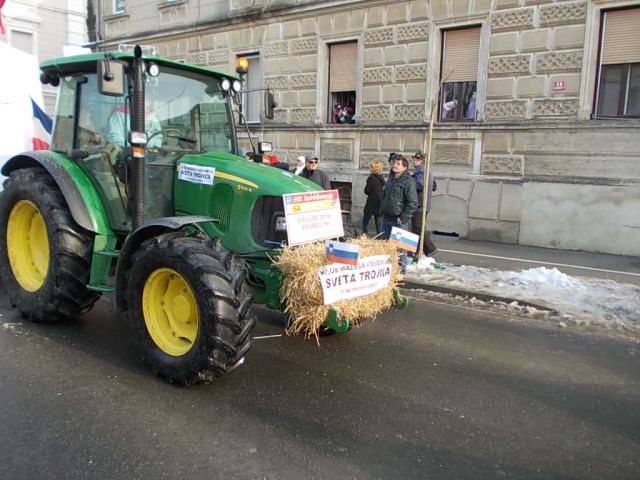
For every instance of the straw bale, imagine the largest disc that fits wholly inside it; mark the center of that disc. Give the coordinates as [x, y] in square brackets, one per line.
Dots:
[302, 293]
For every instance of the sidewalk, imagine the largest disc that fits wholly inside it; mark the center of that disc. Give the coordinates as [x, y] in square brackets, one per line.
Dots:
[516, 258]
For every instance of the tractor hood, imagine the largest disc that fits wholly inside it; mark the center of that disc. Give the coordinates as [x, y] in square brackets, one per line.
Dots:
[244, 197]
[249, 176]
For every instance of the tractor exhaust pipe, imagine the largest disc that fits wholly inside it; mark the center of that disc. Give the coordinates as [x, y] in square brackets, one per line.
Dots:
[138, 125]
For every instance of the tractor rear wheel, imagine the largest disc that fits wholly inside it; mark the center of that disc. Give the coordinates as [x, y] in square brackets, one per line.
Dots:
[45, 256]
[189, 308]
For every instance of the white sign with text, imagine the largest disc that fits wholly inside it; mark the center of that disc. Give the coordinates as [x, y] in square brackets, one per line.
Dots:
[340, 281]
[196, 173]
[312, 216]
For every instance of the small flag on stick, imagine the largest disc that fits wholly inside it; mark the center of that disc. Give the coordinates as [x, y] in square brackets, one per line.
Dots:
[341, 252]
[404, 240]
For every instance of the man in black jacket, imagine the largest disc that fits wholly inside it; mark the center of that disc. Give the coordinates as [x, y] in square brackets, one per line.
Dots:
[311, 172]
[399, 202]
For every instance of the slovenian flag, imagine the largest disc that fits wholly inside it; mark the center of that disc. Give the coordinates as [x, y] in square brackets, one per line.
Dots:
[42, 124]
[340, 252]
[404, 240]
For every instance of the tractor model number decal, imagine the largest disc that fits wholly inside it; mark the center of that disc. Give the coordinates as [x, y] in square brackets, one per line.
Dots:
[243, 188]
[196, 173]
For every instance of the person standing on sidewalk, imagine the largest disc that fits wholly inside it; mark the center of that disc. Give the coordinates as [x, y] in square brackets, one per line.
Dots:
[297, 170]
[428, 246]
[399, 202]
[374, 191]
[311, 172]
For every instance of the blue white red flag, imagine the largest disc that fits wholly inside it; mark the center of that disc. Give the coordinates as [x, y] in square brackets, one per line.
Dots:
[340, 252]
[42, 124]
[404, 240]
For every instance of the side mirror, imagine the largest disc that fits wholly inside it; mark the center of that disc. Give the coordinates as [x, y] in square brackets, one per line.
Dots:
[269, 104]
[111, 78]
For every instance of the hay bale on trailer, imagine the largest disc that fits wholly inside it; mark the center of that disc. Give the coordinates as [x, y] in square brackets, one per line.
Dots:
[302, 290]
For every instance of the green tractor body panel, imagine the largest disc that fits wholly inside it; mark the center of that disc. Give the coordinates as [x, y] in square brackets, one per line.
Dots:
[245, 197]
[78, 190]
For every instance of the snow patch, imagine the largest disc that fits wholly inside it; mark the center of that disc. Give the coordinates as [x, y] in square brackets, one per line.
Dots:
[580, 300]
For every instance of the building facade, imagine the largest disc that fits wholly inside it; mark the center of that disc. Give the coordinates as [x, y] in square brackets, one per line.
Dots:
[536, 103]
[44, 28]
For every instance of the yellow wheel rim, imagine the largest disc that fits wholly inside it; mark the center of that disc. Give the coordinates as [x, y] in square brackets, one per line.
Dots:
[28, 246]
[170, 311]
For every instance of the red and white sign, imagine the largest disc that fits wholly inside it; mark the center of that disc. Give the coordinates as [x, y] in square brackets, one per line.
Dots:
[558, 85]
[312, 216]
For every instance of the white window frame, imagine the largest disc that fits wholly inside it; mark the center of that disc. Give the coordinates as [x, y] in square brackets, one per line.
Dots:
[590, 61]
[256, 95]
[323, 96]
[435, 57]
[118, 7]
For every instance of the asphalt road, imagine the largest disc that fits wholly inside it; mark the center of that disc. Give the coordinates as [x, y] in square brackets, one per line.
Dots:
[437, 391]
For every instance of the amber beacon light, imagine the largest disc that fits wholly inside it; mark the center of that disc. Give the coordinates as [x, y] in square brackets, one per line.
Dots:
[242, 65]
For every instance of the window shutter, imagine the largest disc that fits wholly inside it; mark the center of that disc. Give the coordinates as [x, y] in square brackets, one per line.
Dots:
[342, 71]
[460, 52]
[621, 39]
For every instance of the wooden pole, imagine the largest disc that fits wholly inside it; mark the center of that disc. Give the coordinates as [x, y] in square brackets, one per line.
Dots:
[427, 170]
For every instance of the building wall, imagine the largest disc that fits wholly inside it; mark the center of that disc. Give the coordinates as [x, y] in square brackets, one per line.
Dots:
[54, 24]
[533, 169]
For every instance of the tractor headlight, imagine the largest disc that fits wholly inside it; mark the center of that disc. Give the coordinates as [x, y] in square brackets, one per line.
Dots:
[264, 147]
[225, 84]
[281, 223]
[137, 138]
[237, 86]
[153, 69]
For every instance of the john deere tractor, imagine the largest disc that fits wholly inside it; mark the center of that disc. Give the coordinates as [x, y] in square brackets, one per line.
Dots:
[142, 194]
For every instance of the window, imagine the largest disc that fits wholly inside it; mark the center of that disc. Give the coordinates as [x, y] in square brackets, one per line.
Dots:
[342, 82]
[118, 6]
[250, 106]
[22, 41]
[618, 93]
[460, 50]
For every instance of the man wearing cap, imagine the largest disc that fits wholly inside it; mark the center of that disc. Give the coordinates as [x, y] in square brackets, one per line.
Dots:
[311, 172]
[416, 220]
[391, 160]
[399, 201]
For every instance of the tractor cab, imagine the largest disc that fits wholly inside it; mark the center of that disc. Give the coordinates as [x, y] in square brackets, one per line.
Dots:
[183, 111]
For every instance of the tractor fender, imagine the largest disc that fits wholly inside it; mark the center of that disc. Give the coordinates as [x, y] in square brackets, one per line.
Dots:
[148, 230]
[78, 191]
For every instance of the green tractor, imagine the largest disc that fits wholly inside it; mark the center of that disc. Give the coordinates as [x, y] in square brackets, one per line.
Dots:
[142, 194]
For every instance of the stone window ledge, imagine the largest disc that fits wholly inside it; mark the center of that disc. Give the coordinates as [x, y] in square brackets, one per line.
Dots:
[168, 4]
[116, 16]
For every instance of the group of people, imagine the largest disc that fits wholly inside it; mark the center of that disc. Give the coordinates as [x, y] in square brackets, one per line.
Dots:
[306, 167]
[398, 201]
[343, 113]
[394, 202]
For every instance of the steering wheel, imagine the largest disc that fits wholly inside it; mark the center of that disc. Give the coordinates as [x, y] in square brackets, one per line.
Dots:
[172, 132]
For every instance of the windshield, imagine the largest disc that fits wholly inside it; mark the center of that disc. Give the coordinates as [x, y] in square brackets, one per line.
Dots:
[191, 106]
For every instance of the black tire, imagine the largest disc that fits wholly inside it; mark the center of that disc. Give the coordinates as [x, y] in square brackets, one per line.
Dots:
[225, 319]
[63, 293]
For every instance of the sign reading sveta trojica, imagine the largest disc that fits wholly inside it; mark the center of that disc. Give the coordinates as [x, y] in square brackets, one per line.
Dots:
[341, 281]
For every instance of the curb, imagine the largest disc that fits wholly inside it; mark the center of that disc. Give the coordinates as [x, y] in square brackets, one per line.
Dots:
[485, 297]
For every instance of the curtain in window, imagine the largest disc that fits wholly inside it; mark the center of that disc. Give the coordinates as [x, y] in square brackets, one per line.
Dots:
[342, 70]
[460, 55]
[621, 39]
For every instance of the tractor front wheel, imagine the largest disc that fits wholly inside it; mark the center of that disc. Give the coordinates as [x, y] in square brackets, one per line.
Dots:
[45, 257]
[189, 308]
